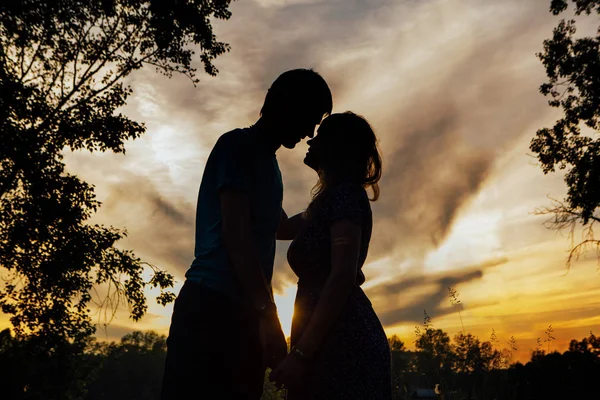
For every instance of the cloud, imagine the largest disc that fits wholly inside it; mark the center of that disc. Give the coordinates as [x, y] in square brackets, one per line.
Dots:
[160, 228]
[444, 136]
[447, 102]
[449, 86]
[416, 293]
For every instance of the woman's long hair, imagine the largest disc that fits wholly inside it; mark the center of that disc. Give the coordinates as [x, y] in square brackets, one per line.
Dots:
[352, 154]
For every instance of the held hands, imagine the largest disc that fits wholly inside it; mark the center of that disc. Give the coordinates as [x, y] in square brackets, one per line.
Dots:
[272, 341]
[291, 372]
[288, 369]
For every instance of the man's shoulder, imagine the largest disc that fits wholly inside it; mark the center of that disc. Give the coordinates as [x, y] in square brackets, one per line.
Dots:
[235, 139]
[232, 147]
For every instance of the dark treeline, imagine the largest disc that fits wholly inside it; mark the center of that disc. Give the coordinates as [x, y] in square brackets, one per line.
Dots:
[438, 368]
[468, 368]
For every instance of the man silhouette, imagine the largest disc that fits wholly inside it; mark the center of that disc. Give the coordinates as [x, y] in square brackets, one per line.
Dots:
[225, 330]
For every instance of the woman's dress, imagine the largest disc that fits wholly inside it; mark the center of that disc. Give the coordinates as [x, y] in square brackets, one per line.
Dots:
[353, 362]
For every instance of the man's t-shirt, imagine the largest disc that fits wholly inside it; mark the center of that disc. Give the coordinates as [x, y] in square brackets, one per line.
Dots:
[237, 161]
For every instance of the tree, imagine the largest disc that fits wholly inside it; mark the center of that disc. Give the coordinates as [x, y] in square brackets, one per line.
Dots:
[573, 69]
[434, 356]
[62, 65]
[396, 344]
[589, 345]
[131, 369]
[472, 355]
[400, 360]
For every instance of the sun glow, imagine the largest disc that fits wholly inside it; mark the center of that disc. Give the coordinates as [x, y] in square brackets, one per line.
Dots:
[285, 307]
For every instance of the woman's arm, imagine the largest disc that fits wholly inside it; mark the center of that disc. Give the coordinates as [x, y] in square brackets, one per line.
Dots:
[345, 250]
[290, 226]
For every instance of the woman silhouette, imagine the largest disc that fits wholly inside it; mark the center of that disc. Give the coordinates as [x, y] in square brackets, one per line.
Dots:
[339, 348]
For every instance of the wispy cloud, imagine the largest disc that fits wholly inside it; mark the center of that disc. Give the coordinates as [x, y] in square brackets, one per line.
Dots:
[404, 299]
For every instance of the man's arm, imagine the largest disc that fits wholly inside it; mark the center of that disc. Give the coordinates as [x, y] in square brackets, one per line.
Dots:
[290, 226]
[241, 247]
[245, 261]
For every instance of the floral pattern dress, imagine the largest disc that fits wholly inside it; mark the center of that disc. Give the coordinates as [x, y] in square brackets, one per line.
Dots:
[353, 362]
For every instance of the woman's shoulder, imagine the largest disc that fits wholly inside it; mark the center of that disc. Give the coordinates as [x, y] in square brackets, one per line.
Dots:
[347, 191]
[346, 200]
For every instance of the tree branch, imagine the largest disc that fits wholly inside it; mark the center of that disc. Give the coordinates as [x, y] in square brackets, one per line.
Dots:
[166, 68]
[89, 72]
[22, 58]
[562, 217]
[129, 66]
[576, 251]
[35, 54]
[79, 42]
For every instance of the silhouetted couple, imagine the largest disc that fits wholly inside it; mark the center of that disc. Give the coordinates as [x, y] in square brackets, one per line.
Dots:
[225, 330]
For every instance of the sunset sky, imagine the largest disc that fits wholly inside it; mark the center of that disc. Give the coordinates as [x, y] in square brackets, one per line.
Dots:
[451, 88]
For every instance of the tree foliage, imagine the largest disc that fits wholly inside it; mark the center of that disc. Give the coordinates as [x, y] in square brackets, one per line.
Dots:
[573, 69]
[62, 66]
[131, 369]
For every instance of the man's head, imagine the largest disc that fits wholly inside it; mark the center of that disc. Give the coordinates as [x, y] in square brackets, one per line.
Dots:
[295, 104]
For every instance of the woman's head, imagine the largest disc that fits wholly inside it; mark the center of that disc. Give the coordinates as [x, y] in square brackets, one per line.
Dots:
[345, 149]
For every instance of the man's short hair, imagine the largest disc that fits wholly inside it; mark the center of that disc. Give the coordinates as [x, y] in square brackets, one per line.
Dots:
[303, 90]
